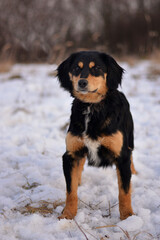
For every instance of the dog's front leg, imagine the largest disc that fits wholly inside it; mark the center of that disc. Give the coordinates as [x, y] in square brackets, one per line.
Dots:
[70, 168]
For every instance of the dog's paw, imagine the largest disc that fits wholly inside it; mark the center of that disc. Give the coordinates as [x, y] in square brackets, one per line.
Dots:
[67, 214]
[126, 215]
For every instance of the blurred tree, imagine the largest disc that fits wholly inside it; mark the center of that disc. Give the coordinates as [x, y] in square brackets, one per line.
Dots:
[33, 30]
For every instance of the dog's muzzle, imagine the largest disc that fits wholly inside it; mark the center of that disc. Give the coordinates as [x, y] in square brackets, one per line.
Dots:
[82, 83]
[83, 87]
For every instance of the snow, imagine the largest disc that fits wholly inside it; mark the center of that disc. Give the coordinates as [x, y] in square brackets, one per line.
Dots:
[133, 223]
[34, 114]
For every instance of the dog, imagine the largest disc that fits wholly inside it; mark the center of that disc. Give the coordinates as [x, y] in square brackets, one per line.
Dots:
[101, 125]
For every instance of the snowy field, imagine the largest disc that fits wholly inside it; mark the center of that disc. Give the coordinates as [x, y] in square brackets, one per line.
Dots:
[34, 113]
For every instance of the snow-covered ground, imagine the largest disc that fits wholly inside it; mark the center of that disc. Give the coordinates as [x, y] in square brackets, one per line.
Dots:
[34, 112]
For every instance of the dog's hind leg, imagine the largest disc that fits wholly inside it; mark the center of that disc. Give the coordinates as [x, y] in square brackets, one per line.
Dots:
[124, 184]
[133, 170]
[80, 169]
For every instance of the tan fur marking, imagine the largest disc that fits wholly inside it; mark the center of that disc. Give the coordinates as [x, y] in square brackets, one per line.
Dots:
[70, 209]
[74, 80]
[97, 82]
[80, 64]
[80, 169]
[70, 75]
[73, 143]
[125, 207]
[113, 142]
[91, 64]
[133, 170]
[89, 97]
[94, 83]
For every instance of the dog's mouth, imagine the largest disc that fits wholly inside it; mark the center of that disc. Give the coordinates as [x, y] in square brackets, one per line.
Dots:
[85, 91]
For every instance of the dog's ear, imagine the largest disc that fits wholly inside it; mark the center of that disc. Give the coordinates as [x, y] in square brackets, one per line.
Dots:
[63, 73]
[114, 71]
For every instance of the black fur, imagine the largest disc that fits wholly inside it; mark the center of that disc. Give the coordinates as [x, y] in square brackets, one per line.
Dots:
[67, 168]
[114, 107]
[63, 73]
[114, 71]
[81, 153]
[107, 63]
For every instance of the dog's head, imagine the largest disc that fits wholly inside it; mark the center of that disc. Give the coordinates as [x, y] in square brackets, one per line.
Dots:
[89, 75]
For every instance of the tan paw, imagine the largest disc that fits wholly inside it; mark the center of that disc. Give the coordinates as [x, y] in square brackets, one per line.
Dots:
[123, 216]
[67, 214]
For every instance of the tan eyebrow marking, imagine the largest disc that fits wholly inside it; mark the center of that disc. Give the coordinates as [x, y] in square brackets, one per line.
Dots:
[91, 64]
[80, 64]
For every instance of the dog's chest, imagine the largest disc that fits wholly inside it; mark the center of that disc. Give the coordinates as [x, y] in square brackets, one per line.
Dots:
[91, 144]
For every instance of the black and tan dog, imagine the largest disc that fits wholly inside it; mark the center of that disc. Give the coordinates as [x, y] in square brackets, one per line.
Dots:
[101, 125]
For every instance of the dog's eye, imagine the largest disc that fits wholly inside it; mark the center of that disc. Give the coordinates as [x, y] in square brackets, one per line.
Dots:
[76, 69]
[97, 68]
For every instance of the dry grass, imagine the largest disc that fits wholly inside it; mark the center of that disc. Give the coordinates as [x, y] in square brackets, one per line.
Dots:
[155, 56]
[44, 210]
[153, 72]
[20, 109]
[5, 66]
[44, 207]
[136, 76]
[130, 59]
[15, 76]
[28, 186]
[126, 233]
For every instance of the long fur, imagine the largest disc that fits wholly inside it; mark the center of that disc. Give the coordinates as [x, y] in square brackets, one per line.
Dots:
[91, 122]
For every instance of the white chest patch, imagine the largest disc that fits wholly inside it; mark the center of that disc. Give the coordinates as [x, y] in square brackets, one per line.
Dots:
[87, 118]
[92, 145]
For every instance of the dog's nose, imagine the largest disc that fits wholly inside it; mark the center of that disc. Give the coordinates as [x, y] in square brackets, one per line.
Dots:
[82, 83]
